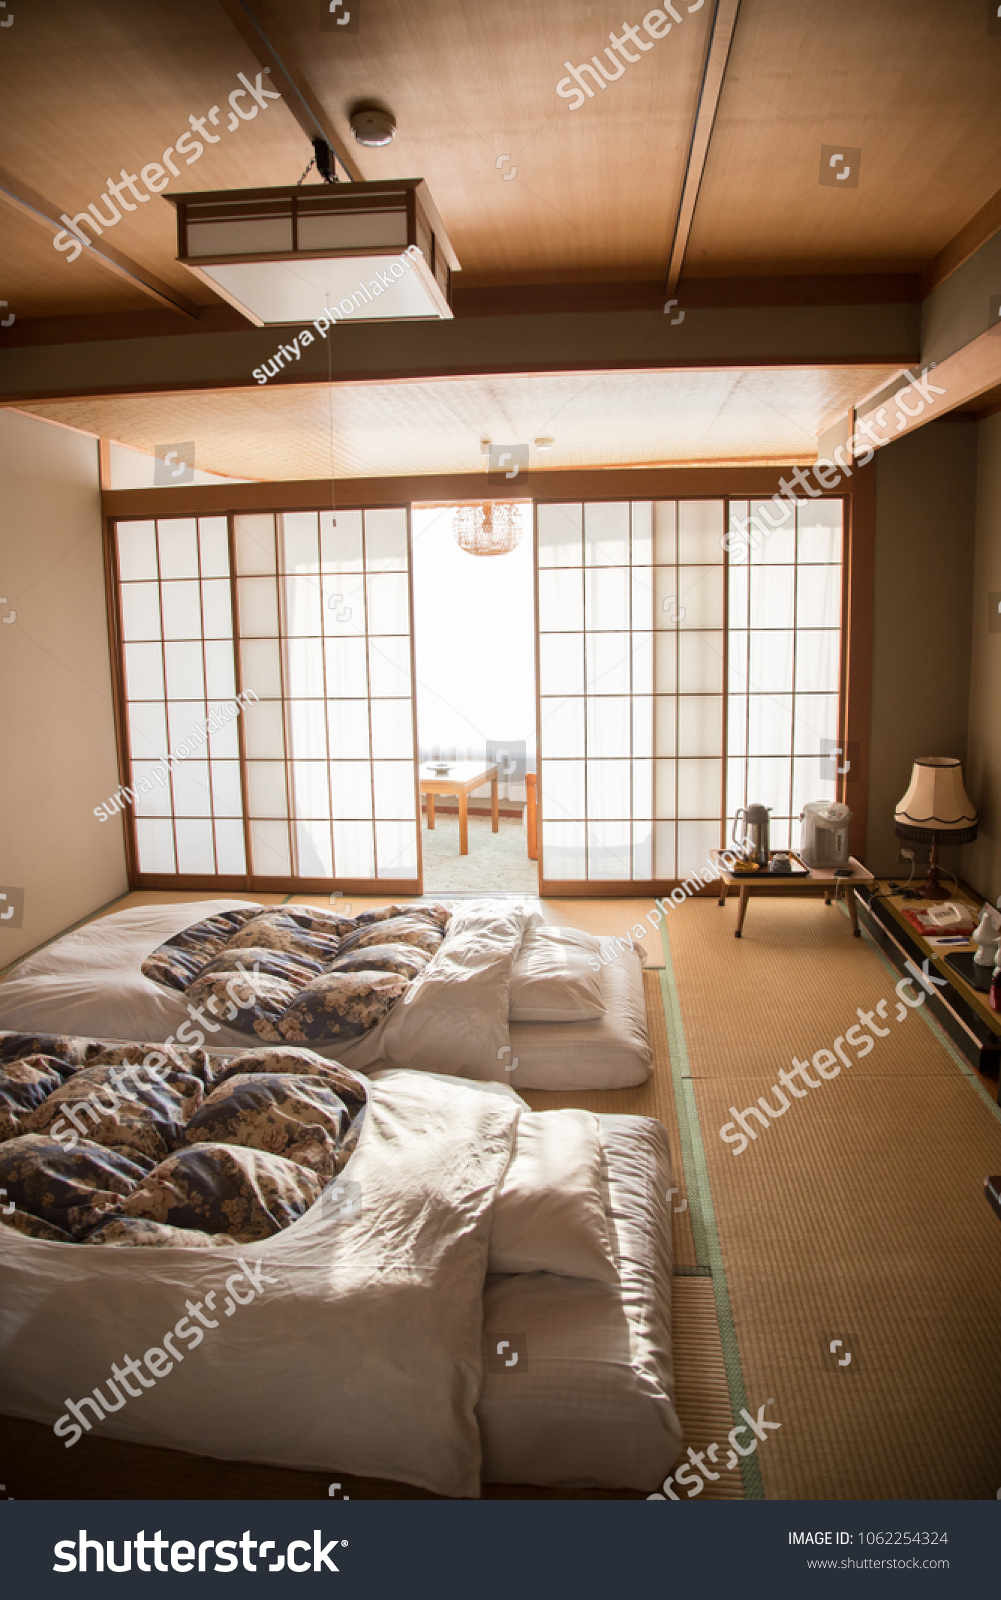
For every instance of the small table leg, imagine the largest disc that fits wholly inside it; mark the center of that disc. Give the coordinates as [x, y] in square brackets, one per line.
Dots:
[744, 896]
[430, 803]
[724, 890]
[827, 896]
[853, 909]
[494, 806]
[463, 826]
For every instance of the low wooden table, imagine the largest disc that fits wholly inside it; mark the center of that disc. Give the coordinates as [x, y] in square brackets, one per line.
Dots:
[820, 878]
[463, 777]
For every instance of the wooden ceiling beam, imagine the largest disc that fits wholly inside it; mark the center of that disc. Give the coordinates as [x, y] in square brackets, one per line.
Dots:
[539, 300]
[966, 381]
[295, 91]
[757, 336]
[983, 225]
[45, 213]
[718, 42]
[308, 494]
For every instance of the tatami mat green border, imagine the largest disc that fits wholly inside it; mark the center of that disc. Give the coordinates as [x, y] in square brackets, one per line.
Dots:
[700, 1205]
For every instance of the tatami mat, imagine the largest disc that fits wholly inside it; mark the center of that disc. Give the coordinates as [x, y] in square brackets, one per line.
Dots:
[858, 1215]
[702, 1394]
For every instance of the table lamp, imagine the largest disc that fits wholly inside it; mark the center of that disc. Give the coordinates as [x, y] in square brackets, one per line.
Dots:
[936, 810]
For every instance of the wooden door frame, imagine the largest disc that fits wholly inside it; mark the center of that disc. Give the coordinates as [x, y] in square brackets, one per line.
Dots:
[661, 483]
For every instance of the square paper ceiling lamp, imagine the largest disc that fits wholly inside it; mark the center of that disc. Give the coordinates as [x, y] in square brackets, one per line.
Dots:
[285, 255]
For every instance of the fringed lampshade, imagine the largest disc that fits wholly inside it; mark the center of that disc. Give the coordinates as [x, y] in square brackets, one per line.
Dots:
[488, 529]
[936, 810]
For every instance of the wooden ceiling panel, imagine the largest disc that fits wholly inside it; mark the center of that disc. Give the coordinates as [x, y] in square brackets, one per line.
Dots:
[39, 282]
[912, 82]
[90, 90]
[597, 419]
[596, 190]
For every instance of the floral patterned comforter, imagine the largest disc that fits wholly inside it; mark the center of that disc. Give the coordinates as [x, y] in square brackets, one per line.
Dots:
[119, 1145]
[299, 975]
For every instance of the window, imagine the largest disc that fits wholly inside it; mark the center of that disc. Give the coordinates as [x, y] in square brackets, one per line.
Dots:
[785, 664]
[641, 618]
[308, 614]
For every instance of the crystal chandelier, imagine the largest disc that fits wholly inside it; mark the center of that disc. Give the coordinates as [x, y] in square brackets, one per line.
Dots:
[488, 529]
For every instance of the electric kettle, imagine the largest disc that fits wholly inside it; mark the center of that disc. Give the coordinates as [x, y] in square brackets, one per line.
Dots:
[752, 839]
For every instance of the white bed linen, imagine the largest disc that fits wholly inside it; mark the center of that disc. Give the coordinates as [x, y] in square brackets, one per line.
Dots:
[549, 1212]
[556, 978]
[364, 1355]
[89, 982]
[608, 1052]
[454, 1019]
[454, 1016]
[590, 1402]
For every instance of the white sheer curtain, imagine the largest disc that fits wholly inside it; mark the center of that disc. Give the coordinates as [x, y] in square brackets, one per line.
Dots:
[631, 667]
[475, 648]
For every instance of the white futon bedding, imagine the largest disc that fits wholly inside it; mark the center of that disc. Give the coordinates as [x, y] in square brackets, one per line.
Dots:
[589, 1403]
[608, 1052]
[453, 1020]
[364, 1338]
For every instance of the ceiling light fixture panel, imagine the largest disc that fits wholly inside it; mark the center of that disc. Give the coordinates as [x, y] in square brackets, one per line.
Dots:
[282, 255]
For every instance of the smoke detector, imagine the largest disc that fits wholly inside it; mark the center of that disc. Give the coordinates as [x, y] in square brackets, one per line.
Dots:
[373, 125]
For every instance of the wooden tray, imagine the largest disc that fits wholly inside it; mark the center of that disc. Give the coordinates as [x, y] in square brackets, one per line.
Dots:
[799, 869]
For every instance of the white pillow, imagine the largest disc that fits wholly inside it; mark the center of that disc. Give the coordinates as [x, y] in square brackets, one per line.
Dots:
[553, 979]
[549, 1215]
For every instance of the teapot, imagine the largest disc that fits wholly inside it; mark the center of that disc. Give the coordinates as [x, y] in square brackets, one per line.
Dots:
[752, 838]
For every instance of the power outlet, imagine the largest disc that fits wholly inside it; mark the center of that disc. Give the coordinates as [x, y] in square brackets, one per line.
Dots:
[905, 854]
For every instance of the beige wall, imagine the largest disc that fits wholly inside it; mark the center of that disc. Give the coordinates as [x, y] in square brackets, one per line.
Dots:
[982, 859]
[925, 510]
[58, 736]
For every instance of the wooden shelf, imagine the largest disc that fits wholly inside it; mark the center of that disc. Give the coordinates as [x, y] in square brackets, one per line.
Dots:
[962, 1010]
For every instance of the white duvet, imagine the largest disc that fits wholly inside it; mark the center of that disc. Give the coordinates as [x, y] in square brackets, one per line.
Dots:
[363, 1339]
[352, 1340]
[454, 1018]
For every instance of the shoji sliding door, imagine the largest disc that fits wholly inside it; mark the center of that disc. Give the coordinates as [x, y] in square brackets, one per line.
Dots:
[784, 705]
[176, 626]
[631, 662]
[314, 783]
[661, 658]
